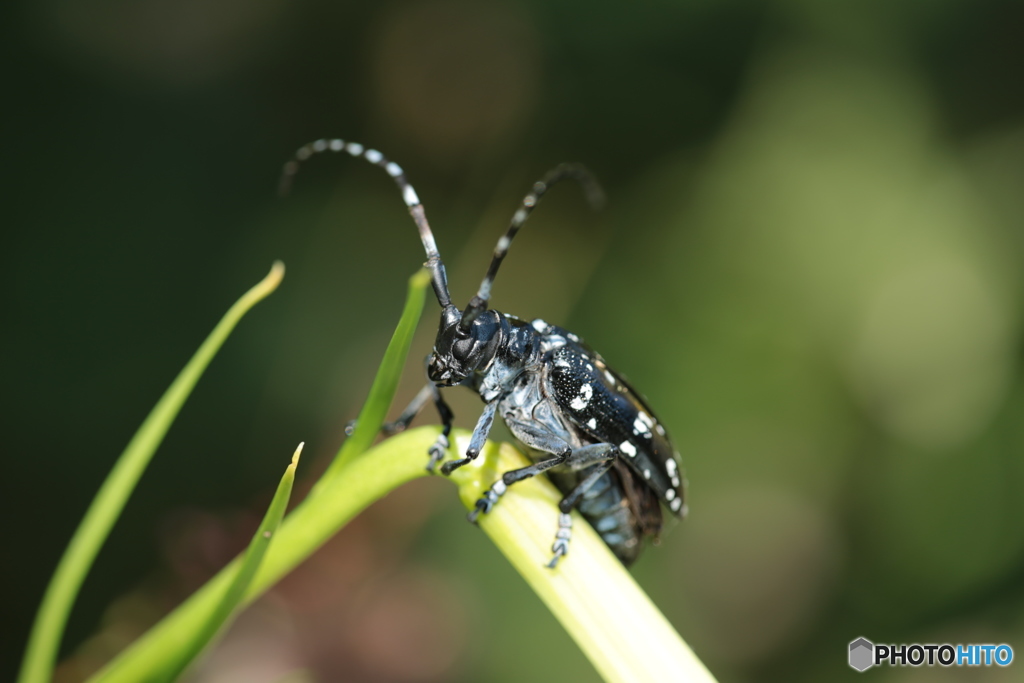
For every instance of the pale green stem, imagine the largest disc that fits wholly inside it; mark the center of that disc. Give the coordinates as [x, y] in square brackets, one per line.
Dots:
[598, 602]
[594, 597]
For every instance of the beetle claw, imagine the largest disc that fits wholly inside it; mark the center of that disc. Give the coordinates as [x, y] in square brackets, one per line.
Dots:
[487, 502]
[562, 536]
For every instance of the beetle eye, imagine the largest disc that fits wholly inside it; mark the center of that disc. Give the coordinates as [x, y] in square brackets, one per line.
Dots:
[462, 348]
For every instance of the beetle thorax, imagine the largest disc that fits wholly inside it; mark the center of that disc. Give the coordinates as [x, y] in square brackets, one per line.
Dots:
[517, 353]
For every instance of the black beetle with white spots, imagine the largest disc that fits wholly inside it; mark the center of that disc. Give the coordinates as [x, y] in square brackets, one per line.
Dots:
[580, 421]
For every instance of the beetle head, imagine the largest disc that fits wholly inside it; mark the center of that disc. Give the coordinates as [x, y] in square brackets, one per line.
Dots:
[457, 352]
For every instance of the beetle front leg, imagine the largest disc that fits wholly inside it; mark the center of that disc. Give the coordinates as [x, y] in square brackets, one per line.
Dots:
[440, 446]
[402, 422]
[476, 442]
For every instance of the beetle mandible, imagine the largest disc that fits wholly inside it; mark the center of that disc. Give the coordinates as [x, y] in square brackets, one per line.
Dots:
[580, 421]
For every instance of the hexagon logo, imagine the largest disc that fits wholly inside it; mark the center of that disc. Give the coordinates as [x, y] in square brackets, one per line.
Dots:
[862, 654]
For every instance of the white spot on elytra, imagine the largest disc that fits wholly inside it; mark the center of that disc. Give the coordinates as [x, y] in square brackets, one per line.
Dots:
[373, 156]
[675, 504]
[647, 474]
[592, 423]
[610, 377]
[670, 494]
[583, 400]
[627, 448]
[670, 467]
[539, 325]
[573, 337]
[590, 368]
[646, 419]
[660, 429]
[675, 481]
[410, 196]
[639, 427]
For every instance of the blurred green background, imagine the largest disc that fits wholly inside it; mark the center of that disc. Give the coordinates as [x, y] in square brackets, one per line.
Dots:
[810, 263]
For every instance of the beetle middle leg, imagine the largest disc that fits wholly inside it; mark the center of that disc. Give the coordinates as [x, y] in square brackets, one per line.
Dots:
[533, 437]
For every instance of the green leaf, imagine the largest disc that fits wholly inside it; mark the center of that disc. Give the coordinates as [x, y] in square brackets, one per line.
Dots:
[44, 640]
[350, 484]
[232, 598]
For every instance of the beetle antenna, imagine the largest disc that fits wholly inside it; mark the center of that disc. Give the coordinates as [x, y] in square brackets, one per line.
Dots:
[594, 195]
[439, 277]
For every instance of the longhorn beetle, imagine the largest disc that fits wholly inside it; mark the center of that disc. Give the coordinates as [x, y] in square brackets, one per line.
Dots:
[580, 421]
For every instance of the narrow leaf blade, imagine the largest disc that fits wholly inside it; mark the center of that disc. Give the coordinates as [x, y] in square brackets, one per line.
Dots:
[334, 500]
[372, 415]
[48, 628]
[250, 563]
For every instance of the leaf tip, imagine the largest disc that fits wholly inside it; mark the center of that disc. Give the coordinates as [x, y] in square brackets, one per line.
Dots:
[420, 279]
[276, 274]
[296, 454]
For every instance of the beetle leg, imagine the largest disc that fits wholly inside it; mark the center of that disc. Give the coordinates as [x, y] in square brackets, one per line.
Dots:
[538, 439]
[576, 459]
[562, 536]
[402, 422]
[476, 442]
[604, 453]
[588, 455]
[535, 438]
[440, 446]
[569, 501]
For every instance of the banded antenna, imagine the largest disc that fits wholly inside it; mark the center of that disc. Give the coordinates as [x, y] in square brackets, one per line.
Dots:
[595, 197]
[439, 277]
